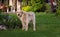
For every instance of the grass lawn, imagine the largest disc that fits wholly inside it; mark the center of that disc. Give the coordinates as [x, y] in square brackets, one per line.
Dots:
[48, 25]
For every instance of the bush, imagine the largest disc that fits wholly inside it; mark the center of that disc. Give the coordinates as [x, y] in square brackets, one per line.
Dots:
[14, 21]
[26, 8]
[10, 20]
[58, 8]
[36, 7]
[48, 8]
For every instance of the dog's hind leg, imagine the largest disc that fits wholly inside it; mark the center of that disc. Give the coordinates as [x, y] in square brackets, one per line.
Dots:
[26, 26]
[34, 27]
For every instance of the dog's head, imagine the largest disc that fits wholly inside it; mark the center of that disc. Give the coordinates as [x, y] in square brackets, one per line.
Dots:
[19, 13]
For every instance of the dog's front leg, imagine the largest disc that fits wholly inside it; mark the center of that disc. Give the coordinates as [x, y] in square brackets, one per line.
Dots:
[26, 25]
[23, 25]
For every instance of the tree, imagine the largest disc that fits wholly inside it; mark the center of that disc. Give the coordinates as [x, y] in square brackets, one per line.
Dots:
[58, 6]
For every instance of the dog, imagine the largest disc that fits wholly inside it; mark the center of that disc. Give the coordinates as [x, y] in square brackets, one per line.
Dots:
[25, 18]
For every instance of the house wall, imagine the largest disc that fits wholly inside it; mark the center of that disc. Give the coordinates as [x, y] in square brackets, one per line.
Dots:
[15, 4]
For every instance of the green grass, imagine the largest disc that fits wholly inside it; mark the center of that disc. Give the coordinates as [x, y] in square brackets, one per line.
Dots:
[48, 25]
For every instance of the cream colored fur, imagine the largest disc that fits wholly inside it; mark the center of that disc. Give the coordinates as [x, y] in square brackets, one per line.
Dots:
[25, 18]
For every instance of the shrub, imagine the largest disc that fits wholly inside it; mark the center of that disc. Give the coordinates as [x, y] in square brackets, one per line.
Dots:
[14, 21]
[36, 6]
[26, 8]
[10, 20]
[58, 8]
[48, 8]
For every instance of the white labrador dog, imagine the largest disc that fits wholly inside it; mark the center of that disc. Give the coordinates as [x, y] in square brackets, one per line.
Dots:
[25, 18]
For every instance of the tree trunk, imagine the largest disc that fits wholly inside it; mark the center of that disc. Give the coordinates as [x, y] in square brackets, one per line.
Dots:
[26, 2]
[19, 5]
[51, 1]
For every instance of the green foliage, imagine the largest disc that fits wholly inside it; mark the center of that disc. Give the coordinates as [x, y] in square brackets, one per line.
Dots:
[36, 5]
[26, 8]
[10, 20]
[13, 21]
[58, 8]
[1, 16]
[0, 11]
[48, 7]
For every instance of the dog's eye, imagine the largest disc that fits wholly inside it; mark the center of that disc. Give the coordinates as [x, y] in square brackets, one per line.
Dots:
[18, 14]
